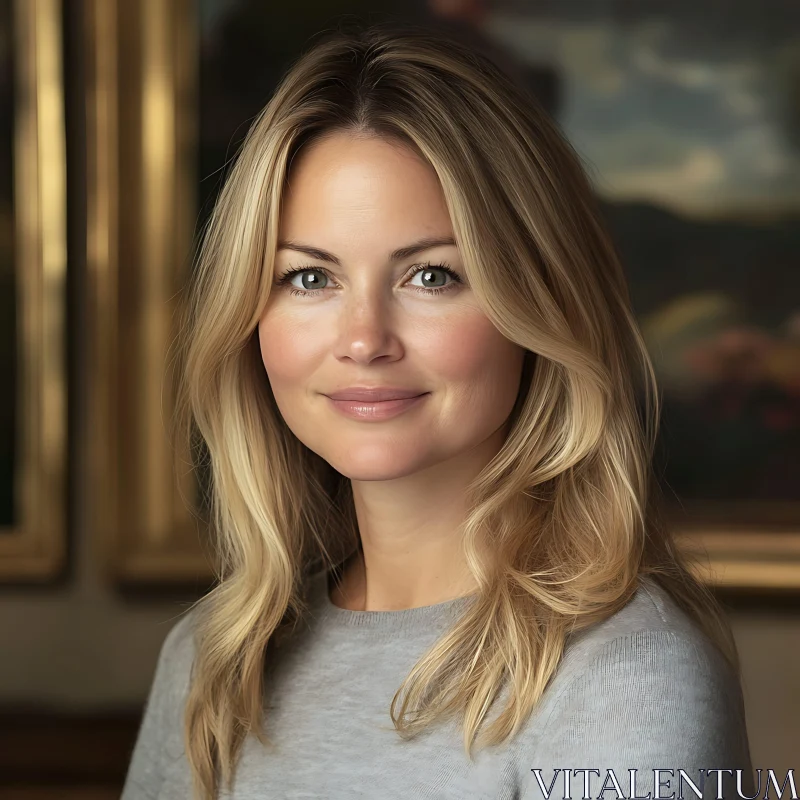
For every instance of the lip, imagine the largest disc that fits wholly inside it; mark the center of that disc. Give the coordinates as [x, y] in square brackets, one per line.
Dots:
[376, 394]
[375, 411]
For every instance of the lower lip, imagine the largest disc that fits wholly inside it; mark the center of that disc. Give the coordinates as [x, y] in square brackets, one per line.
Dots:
[385, 409]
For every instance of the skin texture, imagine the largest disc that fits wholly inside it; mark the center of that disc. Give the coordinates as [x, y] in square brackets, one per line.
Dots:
[368, 324]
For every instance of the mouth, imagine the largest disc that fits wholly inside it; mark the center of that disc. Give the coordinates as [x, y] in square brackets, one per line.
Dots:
[374, 410]
[374, 394]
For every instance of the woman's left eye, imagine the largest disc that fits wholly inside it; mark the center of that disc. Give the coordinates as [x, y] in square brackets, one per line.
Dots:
[433, 279]
[425, 271]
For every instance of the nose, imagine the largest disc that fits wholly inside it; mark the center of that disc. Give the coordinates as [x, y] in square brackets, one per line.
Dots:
[367, 329]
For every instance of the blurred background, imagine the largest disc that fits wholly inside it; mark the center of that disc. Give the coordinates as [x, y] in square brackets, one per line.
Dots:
[117, 121]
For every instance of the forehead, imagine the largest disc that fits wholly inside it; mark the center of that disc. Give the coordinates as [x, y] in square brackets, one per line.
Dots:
[345, 186]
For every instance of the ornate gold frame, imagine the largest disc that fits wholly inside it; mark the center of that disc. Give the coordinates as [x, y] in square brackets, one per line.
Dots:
[35, 549]
[140, 73]
[760, 557]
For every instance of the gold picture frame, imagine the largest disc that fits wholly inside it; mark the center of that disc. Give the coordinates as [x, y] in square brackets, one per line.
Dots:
[744, 556]
[143, 135]
[34, 547]
[140, 216]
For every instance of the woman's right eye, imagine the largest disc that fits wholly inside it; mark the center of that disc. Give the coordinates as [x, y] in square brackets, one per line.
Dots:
[311, 280]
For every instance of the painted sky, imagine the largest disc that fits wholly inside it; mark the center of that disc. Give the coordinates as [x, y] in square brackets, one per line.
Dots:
[691, 105]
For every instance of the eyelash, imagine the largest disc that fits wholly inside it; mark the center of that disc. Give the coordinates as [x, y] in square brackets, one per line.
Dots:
[287, 276]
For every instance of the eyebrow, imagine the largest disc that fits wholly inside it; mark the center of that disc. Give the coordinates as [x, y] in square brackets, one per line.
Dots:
[396, 255]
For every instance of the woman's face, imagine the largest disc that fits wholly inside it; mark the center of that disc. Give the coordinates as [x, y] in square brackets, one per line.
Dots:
[357, 317]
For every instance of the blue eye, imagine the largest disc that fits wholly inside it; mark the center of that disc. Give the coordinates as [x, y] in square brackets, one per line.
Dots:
[314, 279]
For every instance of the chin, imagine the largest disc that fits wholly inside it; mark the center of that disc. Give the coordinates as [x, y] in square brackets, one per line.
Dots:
[383, 466]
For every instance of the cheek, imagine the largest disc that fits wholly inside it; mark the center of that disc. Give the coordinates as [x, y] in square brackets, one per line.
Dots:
[474, 356]
[286, 352]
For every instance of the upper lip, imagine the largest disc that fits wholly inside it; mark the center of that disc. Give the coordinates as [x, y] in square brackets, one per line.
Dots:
[375, 394]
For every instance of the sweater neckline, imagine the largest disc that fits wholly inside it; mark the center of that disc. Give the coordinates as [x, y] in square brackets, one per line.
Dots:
[401, 619]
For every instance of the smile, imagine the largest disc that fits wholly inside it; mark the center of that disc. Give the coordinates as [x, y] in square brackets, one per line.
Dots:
[384, 409]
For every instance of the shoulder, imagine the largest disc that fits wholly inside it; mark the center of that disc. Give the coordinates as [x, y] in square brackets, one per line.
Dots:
[651, 608]
[172, 678]
[646, 684]
[651, 632]
[160, 737]
[177, 655]
[178, 648]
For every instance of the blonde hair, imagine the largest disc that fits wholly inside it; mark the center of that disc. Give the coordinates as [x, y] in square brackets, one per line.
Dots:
[562, 522]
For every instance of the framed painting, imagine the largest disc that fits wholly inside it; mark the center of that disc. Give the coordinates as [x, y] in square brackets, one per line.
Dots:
[33, 403]
[140, 83]
[687, 116]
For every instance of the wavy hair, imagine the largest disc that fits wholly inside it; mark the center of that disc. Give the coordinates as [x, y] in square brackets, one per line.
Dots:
[565, 519]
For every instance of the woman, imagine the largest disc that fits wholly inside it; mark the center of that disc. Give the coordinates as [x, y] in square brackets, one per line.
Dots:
[430, 420]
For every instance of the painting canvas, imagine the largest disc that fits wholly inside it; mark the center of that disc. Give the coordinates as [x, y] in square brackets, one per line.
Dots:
[687, 116]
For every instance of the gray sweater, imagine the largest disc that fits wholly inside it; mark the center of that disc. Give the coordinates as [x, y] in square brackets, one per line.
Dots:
[642, 691]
